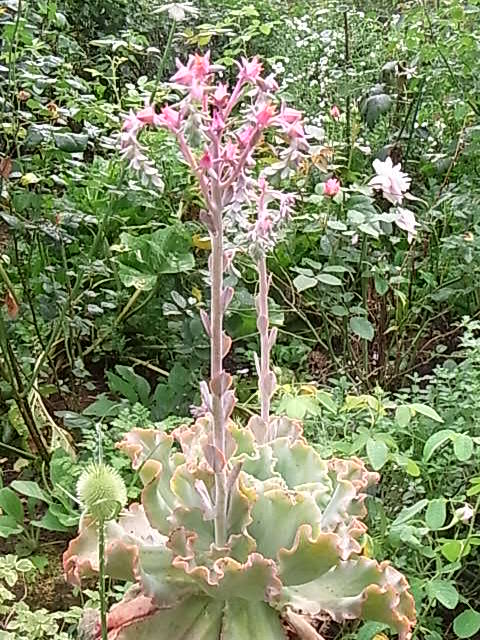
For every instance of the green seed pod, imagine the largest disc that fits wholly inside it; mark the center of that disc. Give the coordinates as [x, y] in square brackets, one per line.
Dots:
[101, 491]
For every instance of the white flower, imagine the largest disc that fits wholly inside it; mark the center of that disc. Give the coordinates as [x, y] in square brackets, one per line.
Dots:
[464, 513]
[406, 220]
[391, 180]
[178, 10]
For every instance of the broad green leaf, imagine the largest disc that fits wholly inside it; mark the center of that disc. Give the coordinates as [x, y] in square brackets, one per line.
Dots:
[452, 550]
[409, 512]
[325, 399]
[131, 277]
[102, 407]
[195, 618]
[444, 591]
[435, 441]
[302, 282]
[412, 468]
[9, 526]
[403, 415]
[250, 621]
[327, 278]
[71, 142]
[467, 624]
[427, 411]
[30, 489]
[436, 514]
[122, 387]
[308, 558]
[276, 506]
[339, 310]
[369, 631]
[346, 592]
[381, 285]
[462, 446]
[139, 383]
[50, 522]
[362, 327]
[377, 452]
[11, 505]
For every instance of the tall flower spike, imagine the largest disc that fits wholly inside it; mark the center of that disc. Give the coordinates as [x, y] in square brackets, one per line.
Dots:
[273, 552]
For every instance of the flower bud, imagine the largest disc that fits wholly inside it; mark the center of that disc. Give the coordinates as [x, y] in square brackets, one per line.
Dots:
[464, 514]
[101, 491]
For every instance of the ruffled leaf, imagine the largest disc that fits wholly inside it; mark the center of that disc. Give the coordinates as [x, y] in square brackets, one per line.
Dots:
[359, 588]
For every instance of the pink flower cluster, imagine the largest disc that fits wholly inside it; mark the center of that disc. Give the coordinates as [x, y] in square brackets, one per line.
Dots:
[220, 148]
[132, 150]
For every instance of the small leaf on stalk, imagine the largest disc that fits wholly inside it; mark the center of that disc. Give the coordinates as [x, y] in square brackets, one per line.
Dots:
[327, 278]
[436, 514]
[467, 624]
[377, 452]
[302, 282]
[436, 440]
[427, 411]
[452, 550]
[362, 327]
[444, 591]
[403, 415]
[462, 446]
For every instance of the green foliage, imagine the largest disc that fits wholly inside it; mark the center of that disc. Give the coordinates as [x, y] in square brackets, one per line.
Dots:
[107, 274]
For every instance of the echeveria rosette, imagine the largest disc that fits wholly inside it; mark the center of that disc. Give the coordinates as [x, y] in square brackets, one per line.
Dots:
[293, 551]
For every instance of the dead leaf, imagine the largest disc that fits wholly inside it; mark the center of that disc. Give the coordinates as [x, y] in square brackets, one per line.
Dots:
[11, 305]
[5, 167]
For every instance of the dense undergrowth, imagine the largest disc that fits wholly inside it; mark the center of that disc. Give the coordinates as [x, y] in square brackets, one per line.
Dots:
[104, 274]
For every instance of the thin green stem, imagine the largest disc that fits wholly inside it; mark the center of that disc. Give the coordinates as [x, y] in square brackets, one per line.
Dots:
[101, 578]
[161, 66]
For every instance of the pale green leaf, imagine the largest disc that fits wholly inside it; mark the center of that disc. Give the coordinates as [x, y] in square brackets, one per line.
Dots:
[436, 514]
[467, 624]
[362, 327]
[377, 452]
[444, 591]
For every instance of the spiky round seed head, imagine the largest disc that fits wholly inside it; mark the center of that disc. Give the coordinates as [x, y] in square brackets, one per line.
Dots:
[101, 491]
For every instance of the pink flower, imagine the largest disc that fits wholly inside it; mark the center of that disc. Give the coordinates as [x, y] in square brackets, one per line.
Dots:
[218, 124]
[230, 152]
[390, 180]
[331, 187]
[205, 161]
[201, 66]
[406, 220]
[184, 74]
[220, 96]
[268, 84]
[194, 74]
[197, 68]
[147, 115]
[131, 122]
[464, 514]
[296, 130]
[250, 70]
[289, 115]
[335, 112]
[245, 135]
[169, 118]
[265, 115]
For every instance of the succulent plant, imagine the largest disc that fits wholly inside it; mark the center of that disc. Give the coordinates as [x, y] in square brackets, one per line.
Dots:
[243, 532]
[294, 540]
